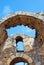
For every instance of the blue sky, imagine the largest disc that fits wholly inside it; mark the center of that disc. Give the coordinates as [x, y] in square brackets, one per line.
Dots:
[21, 63]
[21, 30]
[10, 6]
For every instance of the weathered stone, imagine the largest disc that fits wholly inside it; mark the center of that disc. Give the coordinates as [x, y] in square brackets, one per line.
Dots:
[31, 21]
[33, 52]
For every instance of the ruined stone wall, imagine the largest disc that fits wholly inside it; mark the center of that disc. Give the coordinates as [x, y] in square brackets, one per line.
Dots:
[27, 41]
[34, 55]
[34, 21]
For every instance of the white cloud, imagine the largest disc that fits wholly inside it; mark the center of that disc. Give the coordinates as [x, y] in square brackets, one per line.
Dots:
[6, 10]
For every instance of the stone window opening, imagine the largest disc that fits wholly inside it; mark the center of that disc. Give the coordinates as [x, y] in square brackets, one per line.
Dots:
[19, 61]
[19, 44]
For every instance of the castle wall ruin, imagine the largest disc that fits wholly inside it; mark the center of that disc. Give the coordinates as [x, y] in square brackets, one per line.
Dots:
[33, 55]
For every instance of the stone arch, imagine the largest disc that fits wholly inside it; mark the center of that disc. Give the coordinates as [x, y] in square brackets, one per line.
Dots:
[22, 58]
[18, 59]
[19, 41]
[19, 38]
[26, 19]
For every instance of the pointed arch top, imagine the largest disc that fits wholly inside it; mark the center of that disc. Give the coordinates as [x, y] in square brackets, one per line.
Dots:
[39, 15]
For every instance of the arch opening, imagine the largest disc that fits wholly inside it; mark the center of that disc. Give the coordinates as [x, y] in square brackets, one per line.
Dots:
[26, 20]
[19, 44]
[19, 61]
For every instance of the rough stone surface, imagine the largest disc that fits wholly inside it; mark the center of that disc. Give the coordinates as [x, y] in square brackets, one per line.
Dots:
[33, 47]
[33, 55]
[27, 41]
[29, 20]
